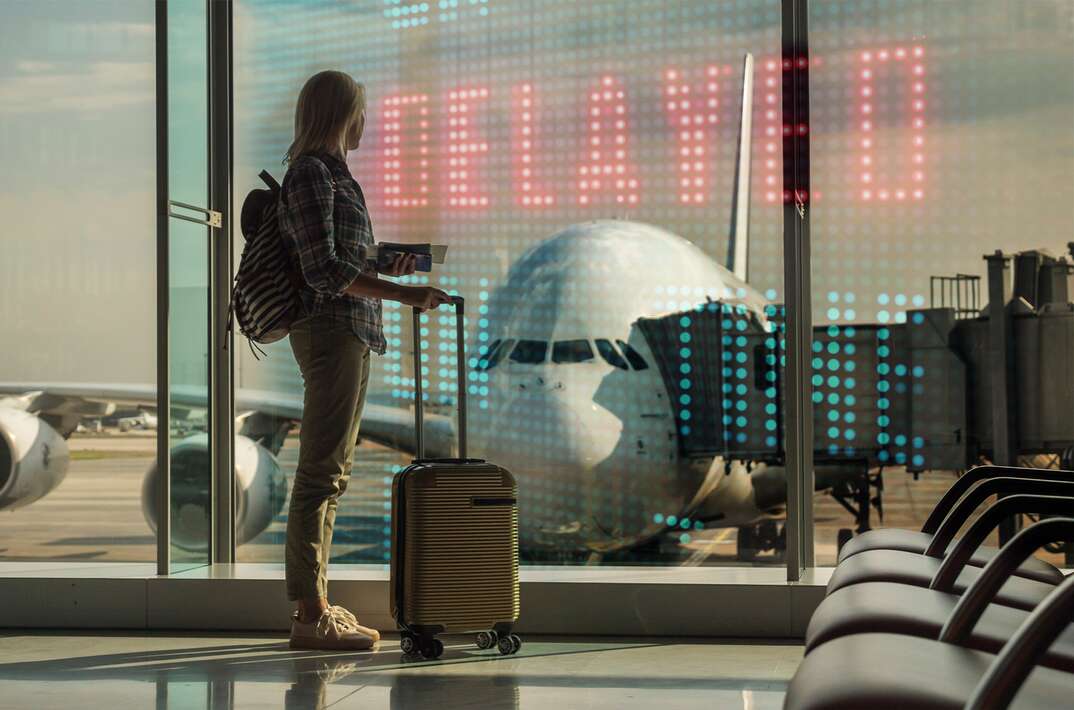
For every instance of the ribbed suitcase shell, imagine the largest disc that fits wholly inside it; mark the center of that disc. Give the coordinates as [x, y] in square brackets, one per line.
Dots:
[454, 546]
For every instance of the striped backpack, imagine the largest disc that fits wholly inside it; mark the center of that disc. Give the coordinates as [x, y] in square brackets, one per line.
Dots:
[264, 299]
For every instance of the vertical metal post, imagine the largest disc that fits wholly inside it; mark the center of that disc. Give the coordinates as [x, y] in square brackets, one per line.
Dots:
[796, 267]
[1000, 364]
[221, 363]
[163, 381]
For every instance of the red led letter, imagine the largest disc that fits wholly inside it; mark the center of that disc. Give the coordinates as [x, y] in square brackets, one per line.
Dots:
[528, 192]
[607, 167]
[464, 146]
[692, 116]
[396, 171]
[770, 125]
[872, 187]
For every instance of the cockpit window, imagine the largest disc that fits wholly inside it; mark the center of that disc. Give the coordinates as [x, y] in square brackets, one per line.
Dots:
[636, 360]
[530, 352]
[610, 354]
[495, 354]
[565, 351]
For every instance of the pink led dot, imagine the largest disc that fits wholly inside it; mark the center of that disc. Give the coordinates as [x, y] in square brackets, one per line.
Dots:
[671, 74]
[866, 74]
[633, 199]
[918, 194]
[866, 56]
[607, 81]
[919, 51]
[866, 195]
[882, 54]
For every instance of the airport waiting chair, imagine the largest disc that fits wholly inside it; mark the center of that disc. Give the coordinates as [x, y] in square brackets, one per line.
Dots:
[969, 620]
[932, 570]
[919, 541]
[883, 671]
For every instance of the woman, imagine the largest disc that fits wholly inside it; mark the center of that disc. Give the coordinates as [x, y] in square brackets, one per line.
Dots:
[323, 215]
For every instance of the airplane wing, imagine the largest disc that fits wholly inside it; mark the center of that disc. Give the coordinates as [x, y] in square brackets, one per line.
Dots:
[385, 424]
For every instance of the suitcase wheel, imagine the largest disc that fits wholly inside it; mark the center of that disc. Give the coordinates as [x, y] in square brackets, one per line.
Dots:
[509, 645]
[487, 639]
[408, 644]
[431, 648]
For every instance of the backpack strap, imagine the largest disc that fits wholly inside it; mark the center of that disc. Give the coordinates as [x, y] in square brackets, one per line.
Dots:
[266, 177]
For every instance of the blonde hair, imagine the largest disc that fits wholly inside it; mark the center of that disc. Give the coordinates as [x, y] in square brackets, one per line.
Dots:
[330, 101]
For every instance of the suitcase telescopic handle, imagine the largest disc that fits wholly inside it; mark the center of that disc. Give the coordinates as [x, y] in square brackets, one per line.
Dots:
[419, 414]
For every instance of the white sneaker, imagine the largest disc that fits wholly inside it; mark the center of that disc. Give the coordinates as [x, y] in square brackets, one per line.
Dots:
[336, 630]
[354, 621]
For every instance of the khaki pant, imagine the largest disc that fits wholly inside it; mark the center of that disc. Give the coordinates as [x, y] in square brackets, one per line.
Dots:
[335, 368]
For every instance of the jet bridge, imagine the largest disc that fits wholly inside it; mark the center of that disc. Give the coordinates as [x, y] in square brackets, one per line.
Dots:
[929, 393]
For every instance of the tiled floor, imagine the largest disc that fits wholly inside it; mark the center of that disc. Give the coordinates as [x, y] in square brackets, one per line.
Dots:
[194, 672]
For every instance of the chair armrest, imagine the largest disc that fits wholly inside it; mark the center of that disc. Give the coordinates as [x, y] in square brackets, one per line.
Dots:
[1019, 657]
[976, 599]
[975, 476]
[982, 492]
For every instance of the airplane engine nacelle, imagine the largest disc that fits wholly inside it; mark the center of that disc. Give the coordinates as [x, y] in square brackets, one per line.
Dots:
[33, 458]
[260, 492]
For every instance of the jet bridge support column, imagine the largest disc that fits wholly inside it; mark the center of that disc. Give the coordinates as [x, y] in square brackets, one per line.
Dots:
[1000, 364]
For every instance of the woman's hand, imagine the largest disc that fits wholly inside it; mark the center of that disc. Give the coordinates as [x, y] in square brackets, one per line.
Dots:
[404, 264]
[424, 297]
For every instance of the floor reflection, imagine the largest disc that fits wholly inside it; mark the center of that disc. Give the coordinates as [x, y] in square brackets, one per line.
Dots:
[216, 673]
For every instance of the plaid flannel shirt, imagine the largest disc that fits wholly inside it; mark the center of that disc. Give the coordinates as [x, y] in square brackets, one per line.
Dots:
[323, 214]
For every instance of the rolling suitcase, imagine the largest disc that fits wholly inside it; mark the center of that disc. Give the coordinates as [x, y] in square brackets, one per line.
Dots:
[454, 546]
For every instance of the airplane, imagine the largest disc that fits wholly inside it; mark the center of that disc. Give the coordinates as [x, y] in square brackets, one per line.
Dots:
[567, 396]
[143, 420]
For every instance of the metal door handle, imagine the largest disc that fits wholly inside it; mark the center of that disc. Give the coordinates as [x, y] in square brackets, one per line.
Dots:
[214, 218]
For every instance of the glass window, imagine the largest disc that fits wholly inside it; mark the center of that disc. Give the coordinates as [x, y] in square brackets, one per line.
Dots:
[564, 351]
[636, 360]
[530, 352]
[483, 361]
[498, 356]
[940, 133]
[572, 120]
[610, 354]
[78, 266]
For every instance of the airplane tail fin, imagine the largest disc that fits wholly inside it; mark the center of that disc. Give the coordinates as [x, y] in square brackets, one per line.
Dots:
[738, 248]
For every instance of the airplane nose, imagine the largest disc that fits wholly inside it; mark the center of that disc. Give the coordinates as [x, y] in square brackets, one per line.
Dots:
[544, 430]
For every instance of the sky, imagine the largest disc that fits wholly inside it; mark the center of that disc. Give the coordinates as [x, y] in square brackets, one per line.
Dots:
[77, 243]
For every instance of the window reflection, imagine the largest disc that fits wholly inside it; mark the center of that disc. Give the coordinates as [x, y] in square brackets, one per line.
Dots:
[530, 352]
[636, 360]
[565, 351]
[610, 354]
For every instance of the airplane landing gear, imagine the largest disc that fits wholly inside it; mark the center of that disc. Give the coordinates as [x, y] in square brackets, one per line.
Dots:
[762, 537]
